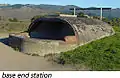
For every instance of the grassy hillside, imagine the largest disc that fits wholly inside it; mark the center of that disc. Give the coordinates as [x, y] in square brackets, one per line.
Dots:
[7, 26]
[27, 11]
[101, 54]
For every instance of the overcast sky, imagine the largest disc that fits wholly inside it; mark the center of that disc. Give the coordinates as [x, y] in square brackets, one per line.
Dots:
[80, 3]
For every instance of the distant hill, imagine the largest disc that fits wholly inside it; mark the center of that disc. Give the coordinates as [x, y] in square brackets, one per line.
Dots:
[29, 10]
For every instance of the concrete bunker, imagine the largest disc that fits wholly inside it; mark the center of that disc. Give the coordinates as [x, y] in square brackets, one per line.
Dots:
[52, 29]
[59, 34]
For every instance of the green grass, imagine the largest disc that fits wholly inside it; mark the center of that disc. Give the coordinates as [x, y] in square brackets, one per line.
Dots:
[103, 54]
[116, 28]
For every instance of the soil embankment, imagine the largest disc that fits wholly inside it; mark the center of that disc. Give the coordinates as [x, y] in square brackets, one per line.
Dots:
[12, 60]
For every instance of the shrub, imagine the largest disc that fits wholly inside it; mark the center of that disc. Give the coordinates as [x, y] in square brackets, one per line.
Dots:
[36, 17]
[13, 19]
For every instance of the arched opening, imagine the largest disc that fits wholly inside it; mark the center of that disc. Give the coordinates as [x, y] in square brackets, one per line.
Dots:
[53, 29]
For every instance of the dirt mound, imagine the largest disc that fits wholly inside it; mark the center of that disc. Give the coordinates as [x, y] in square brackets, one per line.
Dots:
[12, 60]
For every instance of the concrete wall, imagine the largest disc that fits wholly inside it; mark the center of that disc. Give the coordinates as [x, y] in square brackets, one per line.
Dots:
[38, 46]
[66, 15]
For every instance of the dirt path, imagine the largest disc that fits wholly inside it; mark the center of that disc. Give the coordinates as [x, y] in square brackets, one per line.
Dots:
[12, 60]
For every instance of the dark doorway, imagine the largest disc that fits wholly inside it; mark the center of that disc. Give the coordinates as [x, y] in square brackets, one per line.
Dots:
[51, 29]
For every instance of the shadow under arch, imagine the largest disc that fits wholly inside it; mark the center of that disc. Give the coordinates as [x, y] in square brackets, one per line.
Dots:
[51, 28]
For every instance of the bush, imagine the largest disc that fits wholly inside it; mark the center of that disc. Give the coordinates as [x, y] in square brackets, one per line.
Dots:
[13, 19]
[81, 14]
[116, 28]
[36, 17]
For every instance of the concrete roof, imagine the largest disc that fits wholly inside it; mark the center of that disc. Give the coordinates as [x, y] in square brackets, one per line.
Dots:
[87, 29]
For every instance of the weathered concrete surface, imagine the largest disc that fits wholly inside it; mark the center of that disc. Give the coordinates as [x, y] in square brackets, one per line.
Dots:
[43, 47]
[12, 60]
[38, 46]
[86, 30]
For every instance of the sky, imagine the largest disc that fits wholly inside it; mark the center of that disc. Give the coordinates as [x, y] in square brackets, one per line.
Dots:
[80, 3]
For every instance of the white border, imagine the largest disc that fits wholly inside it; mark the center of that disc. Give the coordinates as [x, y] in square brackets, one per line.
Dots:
[68, 74]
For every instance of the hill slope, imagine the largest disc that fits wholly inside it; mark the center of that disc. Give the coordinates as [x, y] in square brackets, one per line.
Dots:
[29, 10]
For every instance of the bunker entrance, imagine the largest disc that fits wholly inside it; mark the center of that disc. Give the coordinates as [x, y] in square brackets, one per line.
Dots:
[52, 29]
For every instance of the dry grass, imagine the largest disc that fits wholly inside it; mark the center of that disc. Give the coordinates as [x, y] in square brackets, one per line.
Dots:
[6, 26]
